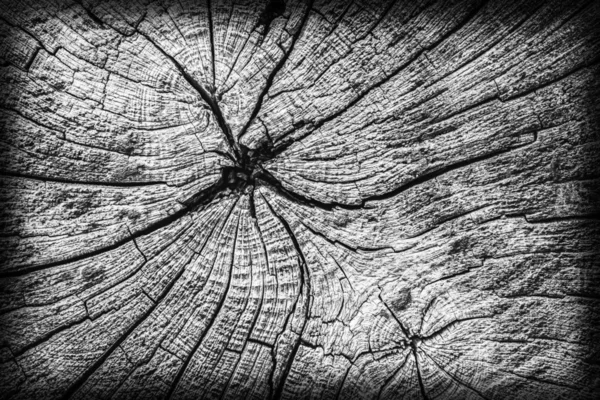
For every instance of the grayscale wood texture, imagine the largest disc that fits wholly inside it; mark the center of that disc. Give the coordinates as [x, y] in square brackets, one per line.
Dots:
[290, 200]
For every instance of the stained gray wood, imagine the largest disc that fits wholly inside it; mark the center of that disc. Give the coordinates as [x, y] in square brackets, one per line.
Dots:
[266, 199]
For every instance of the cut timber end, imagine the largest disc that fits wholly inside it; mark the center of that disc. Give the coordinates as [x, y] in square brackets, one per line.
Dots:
[288, 199]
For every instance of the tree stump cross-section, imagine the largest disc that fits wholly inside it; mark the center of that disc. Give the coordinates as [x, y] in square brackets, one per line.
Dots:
[287, 199]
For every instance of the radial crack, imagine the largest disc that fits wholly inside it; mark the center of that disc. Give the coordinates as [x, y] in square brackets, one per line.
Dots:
[303, 281]
[213, 318]
[96, 365]
[274, 72]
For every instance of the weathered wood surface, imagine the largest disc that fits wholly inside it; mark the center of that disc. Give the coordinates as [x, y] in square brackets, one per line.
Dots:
[351, 199]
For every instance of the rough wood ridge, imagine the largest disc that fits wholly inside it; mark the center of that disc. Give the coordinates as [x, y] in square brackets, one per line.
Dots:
[282, 200]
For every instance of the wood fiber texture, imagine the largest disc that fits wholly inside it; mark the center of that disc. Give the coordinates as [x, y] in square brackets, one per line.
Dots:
[289, 200]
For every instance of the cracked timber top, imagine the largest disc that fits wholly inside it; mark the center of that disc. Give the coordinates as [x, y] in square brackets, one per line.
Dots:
[281, 200]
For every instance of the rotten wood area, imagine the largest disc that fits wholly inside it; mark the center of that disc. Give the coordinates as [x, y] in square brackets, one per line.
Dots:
[290, 199]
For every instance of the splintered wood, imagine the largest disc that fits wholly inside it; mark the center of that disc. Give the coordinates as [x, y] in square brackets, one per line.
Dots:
[284, 200]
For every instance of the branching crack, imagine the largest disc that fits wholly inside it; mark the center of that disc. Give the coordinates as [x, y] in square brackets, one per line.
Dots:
[246, 166]
[88, 373]
[275, 70]
[206, 96]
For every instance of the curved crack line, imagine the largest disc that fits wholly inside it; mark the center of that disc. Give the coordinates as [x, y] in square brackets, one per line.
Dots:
[204, 94]
[301, 199]
[203, 198]
[280, 148]
[155, 302]
[258, 234]
[348, 247]
[451, 324]
[275, 70]
[100, 361]
[210, 193]
[288, 227]
[392, 376]
[215, 314]
[304, 282]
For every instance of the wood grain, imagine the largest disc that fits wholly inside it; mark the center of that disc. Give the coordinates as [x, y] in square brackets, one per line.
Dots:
[289, 199]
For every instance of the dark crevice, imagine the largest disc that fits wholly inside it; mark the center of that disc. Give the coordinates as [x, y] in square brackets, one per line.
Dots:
[284, 144]
[304, 282]
[259, 342]
[272, 372]
[544, 85]
[90, 371]
[241, 178]
[93, 17]
[414, 345]
[212, 41]
[30, 34]
[76, 182]
[339, 391]
[138, 247]
[279, 391]
[441, 171]
[251, 204]
[415, 341]
[442, 220]
[266, 176]
[90, 13]
[455, 274]
[273, 9]
[297, 247]
[392, 376]
[48, 335]
[31, 59]
[222, 154]
[274, 72]
[400, 324]
[206, 96]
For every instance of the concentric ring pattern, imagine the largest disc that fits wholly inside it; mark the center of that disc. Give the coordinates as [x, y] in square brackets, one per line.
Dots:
[280, 199]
